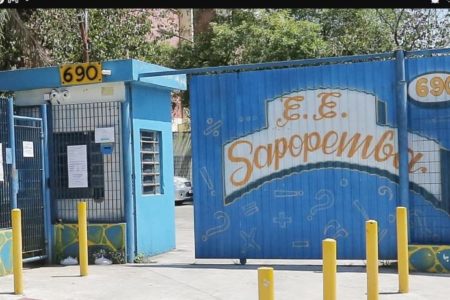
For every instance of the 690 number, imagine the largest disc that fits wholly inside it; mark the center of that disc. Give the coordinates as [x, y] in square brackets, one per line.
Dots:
[81, 73]
[435, 86]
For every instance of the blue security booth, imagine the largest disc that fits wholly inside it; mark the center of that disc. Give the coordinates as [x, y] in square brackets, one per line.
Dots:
[94, 132]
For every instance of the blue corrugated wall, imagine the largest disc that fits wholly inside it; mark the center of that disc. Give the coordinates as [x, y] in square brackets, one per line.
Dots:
[274, 170]
[430, 116]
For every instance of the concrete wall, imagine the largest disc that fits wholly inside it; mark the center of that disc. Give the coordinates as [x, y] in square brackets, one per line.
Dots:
[429, 258]
[107, 237]
[6, 266]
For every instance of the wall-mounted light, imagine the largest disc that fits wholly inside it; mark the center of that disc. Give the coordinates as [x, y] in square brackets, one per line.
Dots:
[106, 72]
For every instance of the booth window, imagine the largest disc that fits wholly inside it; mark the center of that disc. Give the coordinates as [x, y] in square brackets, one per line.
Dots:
[151, 162]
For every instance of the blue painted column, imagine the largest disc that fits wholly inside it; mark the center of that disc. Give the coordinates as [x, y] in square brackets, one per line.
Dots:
[12, 145]
[128, 182]
[45, 187]
[402, 120]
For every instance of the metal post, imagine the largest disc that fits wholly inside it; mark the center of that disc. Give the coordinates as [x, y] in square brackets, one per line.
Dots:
[329, 269]
[402, 249]
[127, 144]
[17, 250]
[12, 145]
[50, 153]
[82, 238]
[372, 259]
[45, 188]
[265, 283]
[402, 120]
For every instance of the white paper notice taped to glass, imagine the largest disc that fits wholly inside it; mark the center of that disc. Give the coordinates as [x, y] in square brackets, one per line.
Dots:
[77, 166]
[28, 149]
[1, 163]
[104, 135]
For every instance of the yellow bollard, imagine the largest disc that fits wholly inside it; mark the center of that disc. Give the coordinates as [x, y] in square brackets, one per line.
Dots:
[17, 250]
[402, 249]
[372, 259]
[82, 238]
[329, 269]
[265, 283]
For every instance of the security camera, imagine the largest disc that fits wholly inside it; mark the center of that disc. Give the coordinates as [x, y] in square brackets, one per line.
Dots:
[65, 94]
[54, 94]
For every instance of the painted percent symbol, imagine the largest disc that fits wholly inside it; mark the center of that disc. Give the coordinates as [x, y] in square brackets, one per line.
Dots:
[213, 127]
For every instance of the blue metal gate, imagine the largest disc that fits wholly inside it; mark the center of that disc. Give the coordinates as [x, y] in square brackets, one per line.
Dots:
[29, 165]
[24, 184]
[283, 158]
[5, 186]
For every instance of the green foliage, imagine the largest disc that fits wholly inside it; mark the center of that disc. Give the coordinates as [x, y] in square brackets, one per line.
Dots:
[19, 46]
[349, 31]
[140, 258]
[117, 257]
[113, 33]
[236, 36]
[415, 29]
[251, 36]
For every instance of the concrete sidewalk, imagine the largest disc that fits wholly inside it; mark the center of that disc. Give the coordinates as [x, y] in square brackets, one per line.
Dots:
[178, 275]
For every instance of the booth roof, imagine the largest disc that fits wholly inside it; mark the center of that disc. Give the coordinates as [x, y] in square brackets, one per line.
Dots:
[126, 70]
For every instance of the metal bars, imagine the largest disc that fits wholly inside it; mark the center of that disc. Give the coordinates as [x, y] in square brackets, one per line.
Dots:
[75, 124]
[28, 135]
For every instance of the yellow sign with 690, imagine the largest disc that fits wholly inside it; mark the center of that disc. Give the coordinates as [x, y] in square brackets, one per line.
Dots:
[82, 73]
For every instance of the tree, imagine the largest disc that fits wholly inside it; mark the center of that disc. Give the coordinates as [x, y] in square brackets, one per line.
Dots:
[19, 46]
[113, 34]
[416, 29]
[251, 36]
[349, 31]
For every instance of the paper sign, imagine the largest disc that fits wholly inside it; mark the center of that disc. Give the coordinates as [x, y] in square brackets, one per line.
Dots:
[8, 154]
[77, 166]
[104, 135]
[1, 163]
[28, 150]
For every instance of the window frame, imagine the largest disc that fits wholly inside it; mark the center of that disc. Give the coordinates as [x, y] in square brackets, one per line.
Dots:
[151, 162]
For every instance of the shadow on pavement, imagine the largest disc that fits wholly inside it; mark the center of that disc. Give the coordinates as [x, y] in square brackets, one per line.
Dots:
[310, 268]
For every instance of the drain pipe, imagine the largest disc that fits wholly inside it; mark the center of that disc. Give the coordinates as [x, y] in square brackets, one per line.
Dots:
[12, 146]
[402, 120]
[45, 187]
[128, 182]
[34, 258]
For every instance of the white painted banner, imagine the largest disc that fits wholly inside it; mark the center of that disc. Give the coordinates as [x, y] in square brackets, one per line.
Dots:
[28, 149]
[319, 126]
[77, 166]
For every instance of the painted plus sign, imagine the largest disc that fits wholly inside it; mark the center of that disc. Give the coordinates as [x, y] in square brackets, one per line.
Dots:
[282, 220]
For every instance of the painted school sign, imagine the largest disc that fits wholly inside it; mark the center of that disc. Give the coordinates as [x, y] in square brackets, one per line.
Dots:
[304, 131]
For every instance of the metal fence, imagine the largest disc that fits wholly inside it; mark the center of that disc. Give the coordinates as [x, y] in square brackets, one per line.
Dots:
[30, 197]
[75, 124]
[182, 154]
[5, 203]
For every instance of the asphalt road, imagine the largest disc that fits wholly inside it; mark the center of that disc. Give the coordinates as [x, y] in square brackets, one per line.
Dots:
[178, 275]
